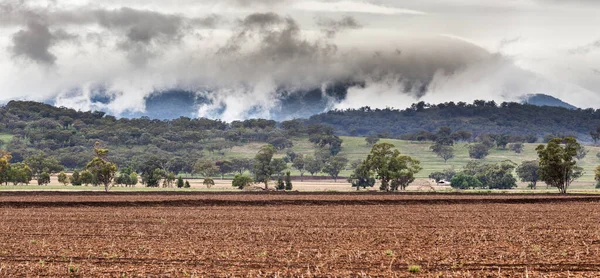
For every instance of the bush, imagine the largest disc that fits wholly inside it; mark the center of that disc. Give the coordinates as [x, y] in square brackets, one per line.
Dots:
[516, 147]
[63, 178]
[446, 174]
[465, 181]
[479, 151]
[288, 181]
[43, 179]
[180, 183]
[187, 184]
[241, 181]
[75, 178]
[209, 182]
[280, 184]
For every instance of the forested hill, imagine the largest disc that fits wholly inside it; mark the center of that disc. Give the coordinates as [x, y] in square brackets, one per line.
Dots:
[478, 118]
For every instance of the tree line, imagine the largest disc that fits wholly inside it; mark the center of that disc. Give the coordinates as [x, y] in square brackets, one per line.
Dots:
[480, 117]
[556, 166]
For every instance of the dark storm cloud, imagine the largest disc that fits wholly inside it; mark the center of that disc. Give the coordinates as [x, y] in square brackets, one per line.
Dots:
[141, 26]
[331, 27]
[267, 46]
[280, 43]
[260, 20]
[145, 32]
[141, 34]
[35, 40]
[256, 24]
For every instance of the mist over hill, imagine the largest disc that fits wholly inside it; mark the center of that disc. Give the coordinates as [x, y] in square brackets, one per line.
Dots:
[173, 104]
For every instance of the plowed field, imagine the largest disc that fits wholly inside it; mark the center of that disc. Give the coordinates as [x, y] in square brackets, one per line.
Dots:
[343, 235]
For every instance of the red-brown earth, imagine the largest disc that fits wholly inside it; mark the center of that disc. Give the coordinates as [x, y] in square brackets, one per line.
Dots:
[298, 234]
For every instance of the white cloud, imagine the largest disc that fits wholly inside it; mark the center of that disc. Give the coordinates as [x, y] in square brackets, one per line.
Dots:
[352, 7]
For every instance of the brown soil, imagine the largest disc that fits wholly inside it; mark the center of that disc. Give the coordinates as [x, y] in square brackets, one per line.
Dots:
[292, 234]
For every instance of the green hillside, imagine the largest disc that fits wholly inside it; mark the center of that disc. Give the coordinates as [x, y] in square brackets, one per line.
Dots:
[356, 148]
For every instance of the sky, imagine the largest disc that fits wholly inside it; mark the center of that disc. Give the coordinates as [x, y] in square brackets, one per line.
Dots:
[246, 57]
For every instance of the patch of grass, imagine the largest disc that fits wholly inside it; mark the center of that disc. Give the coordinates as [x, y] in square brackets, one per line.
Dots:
[4, 139]
[73, 268]
[262, 254]
[414, 268]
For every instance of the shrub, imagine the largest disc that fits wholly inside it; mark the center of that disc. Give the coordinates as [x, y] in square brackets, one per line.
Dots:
[288, 181]
[187, 184]
[43, 179]
[478, 151]
[63, 178]
[414, 268]
[241, 181]
[208, 182]
[280, 184]
[465, 181]
[75, 178]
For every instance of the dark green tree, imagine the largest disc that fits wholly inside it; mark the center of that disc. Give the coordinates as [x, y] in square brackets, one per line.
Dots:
[361, 176]
[405, 168]
[444, 152]
[528, 172]
[300, 165]
[478, 151]
[390, 167]
[334, 166]
[465, 181]
[278, 166]
[446, 174]
[43, 178]
[444, 137]
[371, 140]
[516, 147]
[502, 141]
[225, 167]
[87, 177]
[5, 158]
[313, 165]
[288, 181]
[558, 167]
[75, 178]
[19, 173]
[40, 162]
[280, 184]
[263, 169]
[180, 183]
[206, 168]
[63, 178]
